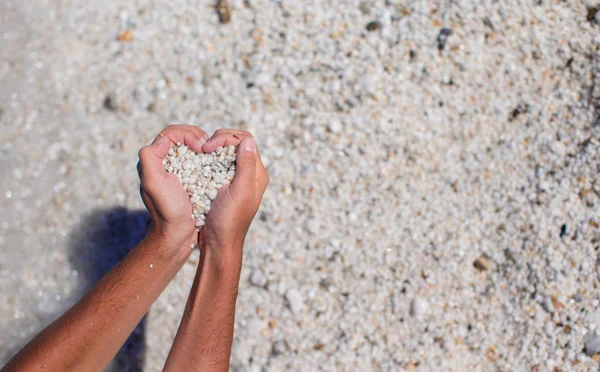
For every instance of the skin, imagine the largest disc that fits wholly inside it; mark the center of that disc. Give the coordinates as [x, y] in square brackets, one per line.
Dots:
[203, 341]
[88, 336]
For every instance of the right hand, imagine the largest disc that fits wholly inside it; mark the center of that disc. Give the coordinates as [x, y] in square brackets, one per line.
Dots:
[233, 209]
[162, 193]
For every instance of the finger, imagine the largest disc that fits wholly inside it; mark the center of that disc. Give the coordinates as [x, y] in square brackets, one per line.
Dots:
[184, 135]
[223, 138]
[227, 137]
[198, 131]
[159, 147]
[151, 156]
[188, 135]
[139, 169]
[244, 184]
[187, 127]
[262, 175]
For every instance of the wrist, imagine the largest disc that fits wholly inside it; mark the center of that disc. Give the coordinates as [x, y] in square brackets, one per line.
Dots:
[171, 243]
[223, 262]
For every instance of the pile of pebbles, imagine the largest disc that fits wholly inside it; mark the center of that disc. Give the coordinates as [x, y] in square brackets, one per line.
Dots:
[434, 194]
[201, 175]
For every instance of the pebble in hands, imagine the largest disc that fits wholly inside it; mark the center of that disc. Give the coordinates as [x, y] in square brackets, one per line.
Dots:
[201, 175]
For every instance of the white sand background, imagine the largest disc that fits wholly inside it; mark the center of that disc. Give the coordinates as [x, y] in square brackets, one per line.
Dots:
[395, 166]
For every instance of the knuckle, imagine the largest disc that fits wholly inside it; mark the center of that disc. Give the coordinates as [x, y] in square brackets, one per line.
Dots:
[172, 129]
[168, 129]
[143, 153]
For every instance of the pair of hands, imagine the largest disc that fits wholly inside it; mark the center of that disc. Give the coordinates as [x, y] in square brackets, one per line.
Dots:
[232, 210]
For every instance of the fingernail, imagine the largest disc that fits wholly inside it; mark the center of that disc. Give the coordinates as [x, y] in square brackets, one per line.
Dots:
[249, 145]
[204, 139]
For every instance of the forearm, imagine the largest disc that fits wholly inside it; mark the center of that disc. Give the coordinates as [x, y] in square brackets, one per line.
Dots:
[203, 341]
[89, 335]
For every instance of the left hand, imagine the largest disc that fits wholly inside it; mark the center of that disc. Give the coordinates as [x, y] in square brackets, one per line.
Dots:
[162, 193]
[236, 204]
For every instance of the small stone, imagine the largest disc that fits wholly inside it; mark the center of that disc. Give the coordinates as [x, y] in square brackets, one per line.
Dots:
[563, 230]
[548, 328]
[593, 14]
[295, 300]
[125, 36]
[258, 278]
[443, 37]
[279, 347]
[255, 325]
[484, 263]
[212, 194]
[591, 344]
[556, 304]
[547, 305]
[110, 102]
[224, 10]
[419, 307]
[335, 126]
[373, 26]
[522, 108]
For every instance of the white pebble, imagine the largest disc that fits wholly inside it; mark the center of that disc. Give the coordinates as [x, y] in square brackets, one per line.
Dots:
[592, 344]
[258, 278]
[295, 300]
[418, 307]
[548, 328]
[335, 126]
[212, 194]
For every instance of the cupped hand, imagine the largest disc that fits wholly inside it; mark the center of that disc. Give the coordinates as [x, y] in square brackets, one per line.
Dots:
[162, 192]
[236, 204]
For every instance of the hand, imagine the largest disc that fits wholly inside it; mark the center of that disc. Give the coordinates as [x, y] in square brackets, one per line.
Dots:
[162, 192]
[236, 204]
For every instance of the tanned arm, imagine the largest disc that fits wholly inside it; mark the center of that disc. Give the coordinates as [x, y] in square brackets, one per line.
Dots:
[88, 336]
[203, 341]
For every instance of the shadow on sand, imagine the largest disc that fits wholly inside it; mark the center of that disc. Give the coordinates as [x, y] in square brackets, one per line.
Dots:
[102, 239]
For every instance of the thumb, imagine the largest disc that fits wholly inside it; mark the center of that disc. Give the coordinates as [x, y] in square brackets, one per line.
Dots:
[160, 146]
[244, 183]
[151, 157]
